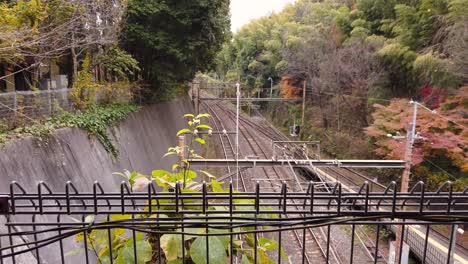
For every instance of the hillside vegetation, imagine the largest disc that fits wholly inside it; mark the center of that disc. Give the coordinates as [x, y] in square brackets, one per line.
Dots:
[363, 60]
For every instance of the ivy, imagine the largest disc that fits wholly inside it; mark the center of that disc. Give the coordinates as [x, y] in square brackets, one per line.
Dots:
[95, 120]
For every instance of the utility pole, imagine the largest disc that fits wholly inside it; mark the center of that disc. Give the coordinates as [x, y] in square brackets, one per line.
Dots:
[304, 93]
[411, 136]
[238, 94]
[405, 178]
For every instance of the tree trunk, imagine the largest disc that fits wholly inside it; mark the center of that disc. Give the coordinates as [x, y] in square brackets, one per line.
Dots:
[322, 110]
[75, 59]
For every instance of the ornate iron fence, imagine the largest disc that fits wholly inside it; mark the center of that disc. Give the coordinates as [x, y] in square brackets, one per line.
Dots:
[42, 226]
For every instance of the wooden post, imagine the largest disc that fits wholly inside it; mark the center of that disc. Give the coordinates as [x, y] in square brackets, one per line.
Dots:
[181, 145]
[304, 92]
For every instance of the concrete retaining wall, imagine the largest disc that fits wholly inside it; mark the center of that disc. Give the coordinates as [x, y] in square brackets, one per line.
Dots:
[71, 154]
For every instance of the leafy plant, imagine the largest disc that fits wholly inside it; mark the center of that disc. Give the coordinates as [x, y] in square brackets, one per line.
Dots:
[174, 245]
[95, 120]
[117, 64]
[84, 88]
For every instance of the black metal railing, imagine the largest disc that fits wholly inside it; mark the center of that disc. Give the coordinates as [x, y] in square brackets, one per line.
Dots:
[36, 222]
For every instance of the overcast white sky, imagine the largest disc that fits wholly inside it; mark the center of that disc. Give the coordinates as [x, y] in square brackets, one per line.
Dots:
[243, 11]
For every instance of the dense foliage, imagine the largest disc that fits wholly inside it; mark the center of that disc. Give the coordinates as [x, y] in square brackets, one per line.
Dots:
[353, 54]
[441, 151]
[96, 121]
[172, 40]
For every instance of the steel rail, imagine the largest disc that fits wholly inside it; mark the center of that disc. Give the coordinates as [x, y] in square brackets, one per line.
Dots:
[301, 243]
[282, 139]
[249, 99]
[300, 163]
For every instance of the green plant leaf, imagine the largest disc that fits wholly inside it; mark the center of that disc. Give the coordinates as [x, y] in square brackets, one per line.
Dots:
[172, 246]
[175, 166]
[119, 217]
[169, 154]
[203, 127]
[192, 231]
[189, 115]
[163, 183]
[271, 245]
[224, 239]
[126, 253]
[209, 175]
[188, 174]
[216, 185]
[200, 140]
[184, 131]
[202, 115]
[245, 260]
[216, 250]
[160, 173]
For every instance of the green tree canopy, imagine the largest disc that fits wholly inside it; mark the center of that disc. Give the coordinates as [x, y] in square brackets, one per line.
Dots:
[172, 40]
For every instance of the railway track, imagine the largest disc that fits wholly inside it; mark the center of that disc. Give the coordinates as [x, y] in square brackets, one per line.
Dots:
[348, 177]
[273, 178]
[309, 243]
[340, 174]
[229, 150]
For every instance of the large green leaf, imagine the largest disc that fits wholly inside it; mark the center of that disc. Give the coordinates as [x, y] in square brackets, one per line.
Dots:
[202, 115]
[184, 131]
[187, 174]
[172, 246]
[217, 251]
[119, 217]
[245, 260]
[160, 173]
[204, 127]
[127, 255]
[201, 141]
[224, 239]
[216, 185]
[192, 231]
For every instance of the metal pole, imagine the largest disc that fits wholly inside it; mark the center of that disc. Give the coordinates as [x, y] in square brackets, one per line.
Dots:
[238, 94]
[405, 178]
[453, 244]
[409, 150]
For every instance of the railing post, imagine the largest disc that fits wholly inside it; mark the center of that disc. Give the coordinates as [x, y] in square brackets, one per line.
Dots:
[4, 204]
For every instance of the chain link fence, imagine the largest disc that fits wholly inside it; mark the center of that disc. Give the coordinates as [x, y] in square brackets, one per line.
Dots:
[22, 107]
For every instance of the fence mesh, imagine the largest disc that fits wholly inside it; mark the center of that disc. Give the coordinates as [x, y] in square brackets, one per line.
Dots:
[21, 107]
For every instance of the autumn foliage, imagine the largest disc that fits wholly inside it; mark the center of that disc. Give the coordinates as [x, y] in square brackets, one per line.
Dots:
[291, 87]
[445, 132]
